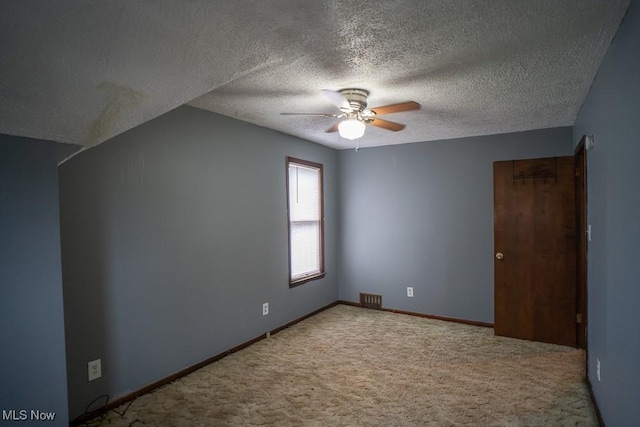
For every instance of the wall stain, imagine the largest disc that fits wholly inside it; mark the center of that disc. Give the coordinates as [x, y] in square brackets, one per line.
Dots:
[121, 98]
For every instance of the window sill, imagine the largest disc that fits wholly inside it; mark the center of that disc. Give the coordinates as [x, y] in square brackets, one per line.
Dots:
[303, 280]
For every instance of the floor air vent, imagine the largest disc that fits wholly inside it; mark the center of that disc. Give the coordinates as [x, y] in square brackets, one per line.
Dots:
[371, 301]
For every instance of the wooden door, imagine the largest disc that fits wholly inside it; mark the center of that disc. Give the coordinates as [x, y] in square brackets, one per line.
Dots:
[535, 250]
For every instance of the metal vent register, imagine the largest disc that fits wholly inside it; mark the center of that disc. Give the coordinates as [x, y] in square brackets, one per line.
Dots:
[371, 301]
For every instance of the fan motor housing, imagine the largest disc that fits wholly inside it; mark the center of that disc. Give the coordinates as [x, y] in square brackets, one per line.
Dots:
[357, 98]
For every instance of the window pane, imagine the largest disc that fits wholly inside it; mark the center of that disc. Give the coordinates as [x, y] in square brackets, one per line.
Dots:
[303, 194]
[305, 249]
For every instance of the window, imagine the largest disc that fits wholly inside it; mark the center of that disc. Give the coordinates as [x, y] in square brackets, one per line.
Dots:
[304, 194]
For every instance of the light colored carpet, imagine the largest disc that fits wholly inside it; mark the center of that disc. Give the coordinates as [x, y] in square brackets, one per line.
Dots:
[349, 366]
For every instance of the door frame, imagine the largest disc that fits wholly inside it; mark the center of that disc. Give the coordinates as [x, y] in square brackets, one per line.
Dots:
[580, 155]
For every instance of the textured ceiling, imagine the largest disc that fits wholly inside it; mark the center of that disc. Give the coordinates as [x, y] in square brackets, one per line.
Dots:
[84, 71]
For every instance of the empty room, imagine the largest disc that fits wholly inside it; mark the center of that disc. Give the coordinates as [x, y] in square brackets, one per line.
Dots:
[320, 213]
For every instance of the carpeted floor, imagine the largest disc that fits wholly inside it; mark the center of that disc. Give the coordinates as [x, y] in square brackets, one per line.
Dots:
[349, 366]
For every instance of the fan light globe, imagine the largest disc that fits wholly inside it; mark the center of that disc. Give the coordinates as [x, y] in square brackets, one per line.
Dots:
[351, 129]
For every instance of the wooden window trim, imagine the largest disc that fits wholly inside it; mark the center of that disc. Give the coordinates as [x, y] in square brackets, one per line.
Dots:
[322, 273]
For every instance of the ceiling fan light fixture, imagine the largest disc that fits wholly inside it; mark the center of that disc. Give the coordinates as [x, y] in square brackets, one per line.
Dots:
[351, 129]
[353, 109]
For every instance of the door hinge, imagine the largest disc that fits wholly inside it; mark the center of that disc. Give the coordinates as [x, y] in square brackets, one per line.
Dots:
[578, 318]
[577, 171]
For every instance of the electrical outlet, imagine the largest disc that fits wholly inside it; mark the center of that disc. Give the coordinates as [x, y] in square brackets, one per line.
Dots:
[265, 308]
[95, 369]
[410, 292]
[598, 369]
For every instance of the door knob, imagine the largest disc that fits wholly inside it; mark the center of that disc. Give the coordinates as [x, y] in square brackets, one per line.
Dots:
[499, 255]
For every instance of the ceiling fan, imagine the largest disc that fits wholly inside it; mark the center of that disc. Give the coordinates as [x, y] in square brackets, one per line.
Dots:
[353, 104]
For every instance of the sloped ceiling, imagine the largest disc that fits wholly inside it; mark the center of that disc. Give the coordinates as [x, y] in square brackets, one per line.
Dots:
[84, 71]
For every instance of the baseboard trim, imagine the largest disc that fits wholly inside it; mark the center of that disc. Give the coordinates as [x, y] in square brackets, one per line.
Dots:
[306, 316]
[595, 402]
[84, 418]
[428, 316]
[354, 304]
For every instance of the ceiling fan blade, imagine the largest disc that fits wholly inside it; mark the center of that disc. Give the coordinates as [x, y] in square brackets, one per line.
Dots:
[311, 114]
[337, 99]
[396, 108]
[333, 128]
[386, 124]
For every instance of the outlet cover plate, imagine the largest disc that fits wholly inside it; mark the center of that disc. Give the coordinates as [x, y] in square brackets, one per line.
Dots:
[410, 292]
[94, 369]
[265, 308]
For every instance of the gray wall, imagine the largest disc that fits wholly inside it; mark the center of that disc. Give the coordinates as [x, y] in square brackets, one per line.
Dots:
[32, 359]
[611, 113]
[421, 215]
[174, 234]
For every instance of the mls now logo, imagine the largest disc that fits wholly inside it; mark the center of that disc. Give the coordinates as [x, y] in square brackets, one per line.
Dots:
[23, 415]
